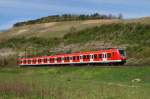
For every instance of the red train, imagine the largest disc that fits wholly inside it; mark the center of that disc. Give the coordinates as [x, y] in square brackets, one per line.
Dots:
[111, 56]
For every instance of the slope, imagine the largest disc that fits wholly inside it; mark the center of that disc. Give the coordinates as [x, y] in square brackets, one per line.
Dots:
[53, 29]
[132, 35]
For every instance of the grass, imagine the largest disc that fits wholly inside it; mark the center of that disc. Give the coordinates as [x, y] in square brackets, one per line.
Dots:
[75, 83]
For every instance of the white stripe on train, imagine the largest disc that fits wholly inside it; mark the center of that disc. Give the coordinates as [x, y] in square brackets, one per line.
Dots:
[108, 61]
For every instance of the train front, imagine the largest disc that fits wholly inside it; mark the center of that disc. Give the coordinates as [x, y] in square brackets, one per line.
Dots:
[123, 56]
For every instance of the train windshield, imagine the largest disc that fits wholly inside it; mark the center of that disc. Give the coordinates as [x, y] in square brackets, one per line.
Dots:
[122, 52]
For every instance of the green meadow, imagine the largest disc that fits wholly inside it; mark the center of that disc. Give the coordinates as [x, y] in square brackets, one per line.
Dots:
[86, 82]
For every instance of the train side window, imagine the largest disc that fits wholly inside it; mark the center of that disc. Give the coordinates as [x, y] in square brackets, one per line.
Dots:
[95, 56]
[100, 55]
[81, 57]
[108, 55]
[84, 57]
[70, 58]
[25, 61]
[39, 60]
[58, 59]
[33, 60]
[66, 58]
[45, 60]
[74, 58]
[51, 59]
[29, 61]
[77, 57]
[88, 56]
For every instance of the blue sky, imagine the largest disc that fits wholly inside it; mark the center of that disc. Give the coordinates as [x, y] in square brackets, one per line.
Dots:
[12, 11]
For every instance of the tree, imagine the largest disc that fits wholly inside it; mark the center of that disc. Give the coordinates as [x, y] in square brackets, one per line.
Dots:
[120, 16]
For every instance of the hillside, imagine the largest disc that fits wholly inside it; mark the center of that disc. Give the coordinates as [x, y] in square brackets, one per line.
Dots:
[132, 35]
[52, 29]
[59, 29]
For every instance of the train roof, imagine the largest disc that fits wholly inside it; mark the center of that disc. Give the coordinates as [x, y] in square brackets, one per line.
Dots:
[75, 53]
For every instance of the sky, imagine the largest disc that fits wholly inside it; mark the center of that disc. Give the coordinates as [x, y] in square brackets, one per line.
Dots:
[12, 11]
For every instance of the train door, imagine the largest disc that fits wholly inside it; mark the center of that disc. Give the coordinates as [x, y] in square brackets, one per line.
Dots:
[55, 60]
[62, 58]
[70, 58]
[81, 58]
[104, 57]
[91, 57]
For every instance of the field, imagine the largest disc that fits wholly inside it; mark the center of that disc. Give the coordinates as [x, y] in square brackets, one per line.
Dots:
[75, 83]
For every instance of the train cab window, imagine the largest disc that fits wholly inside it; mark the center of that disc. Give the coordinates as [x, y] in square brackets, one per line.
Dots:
[95, 56]
[100, 55]
[108, 55]
[122, 52]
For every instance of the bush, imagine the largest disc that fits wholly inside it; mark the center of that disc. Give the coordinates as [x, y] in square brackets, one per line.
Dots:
[9, 61]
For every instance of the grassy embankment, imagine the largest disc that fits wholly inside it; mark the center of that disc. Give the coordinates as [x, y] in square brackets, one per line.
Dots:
[75, 83]
[134, 37]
